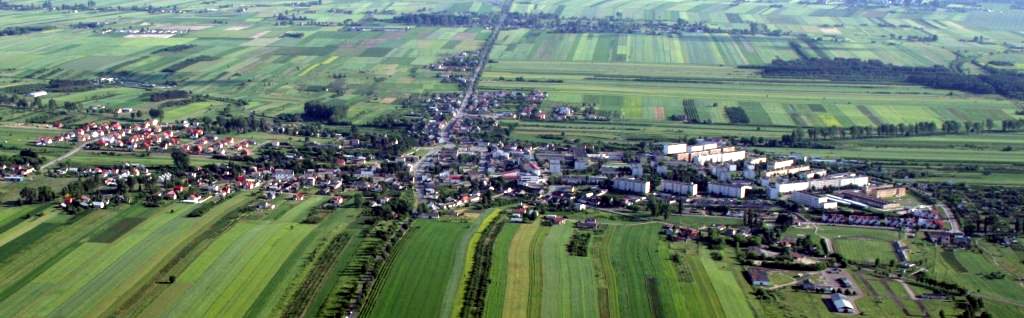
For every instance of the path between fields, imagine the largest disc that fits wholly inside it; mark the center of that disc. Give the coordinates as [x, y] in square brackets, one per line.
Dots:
[66, 155]
[913, 297]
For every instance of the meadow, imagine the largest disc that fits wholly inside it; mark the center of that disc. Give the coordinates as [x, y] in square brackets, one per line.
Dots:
[968, 268]
[993, 159]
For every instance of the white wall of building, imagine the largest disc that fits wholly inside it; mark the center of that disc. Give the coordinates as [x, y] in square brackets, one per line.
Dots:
[671, 149]
[679, 187]
[729, 190]
[813, 201]
[632, 185]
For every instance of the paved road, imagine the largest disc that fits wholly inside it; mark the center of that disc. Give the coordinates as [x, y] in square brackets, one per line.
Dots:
[469, 92]
[415, 172]
[474, 79]
[954, 225]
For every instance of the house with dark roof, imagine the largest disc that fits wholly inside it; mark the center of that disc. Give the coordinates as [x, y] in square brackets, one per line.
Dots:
[758, 277]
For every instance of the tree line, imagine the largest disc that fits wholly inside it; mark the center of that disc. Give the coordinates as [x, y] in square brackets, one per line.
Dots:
[19, 30]
[559, 24]
[1007, 83]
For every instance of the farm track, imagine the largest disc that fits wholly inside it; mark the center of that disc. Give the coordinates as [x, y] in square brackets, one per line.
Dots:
[65, 156]
[895, 299]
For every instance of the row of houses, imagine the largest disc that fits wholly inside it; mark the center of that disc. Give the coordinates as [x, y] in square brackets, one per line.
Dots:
[884, 221]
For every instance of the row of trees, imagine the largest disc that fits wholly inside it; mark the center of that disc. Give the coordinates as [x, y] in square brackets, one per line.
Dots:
[41, 194]
[803, 135]
[557, 23]
[8, 31]
[1003, 82]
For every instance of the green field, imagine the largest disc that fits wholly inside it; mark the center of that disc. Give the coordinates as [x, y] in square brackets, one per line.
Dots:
[638, 95]
[989, 158]
[416, 279]
[239, 265]
[88, 278]
[626, 274]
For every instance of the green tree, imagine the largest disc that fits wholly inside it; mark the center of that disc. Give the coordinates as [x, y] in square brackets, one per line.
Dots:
[181, 160]
[28, 195]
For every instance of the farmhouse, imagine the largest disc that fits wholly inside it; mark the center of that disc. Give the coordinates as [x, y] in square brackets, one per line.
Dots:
[949, 239]
[587, 224]
[552, 219]
[37, 94]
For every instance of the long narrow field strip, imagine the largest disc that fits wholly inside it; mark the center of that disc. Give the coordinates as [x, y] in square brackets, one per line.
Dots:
[423, 265]
[500, 271]
[517, 290]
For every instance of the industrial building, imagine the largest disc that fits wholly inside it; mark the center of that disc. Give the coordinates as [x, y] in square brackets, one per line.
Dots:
[813, 201]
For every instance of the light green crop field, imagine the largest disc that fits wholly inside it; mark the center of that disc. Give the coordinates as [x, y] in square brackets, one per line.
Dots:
[239, 265]
[499, 275]
[633, 131]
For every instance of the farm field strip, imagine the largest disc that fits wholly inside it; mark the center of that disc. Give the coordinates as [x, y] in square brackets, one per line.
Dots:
[104, 272]
[423, 266]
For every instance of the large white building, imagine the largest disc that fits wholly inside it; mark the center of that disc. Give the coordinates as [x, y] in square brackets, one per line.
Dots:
[780, 164]
[813, 201]
[720, 157]
[632, 185]
[732, 190]
[671, 149]
[833, 181]
[678, 187]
